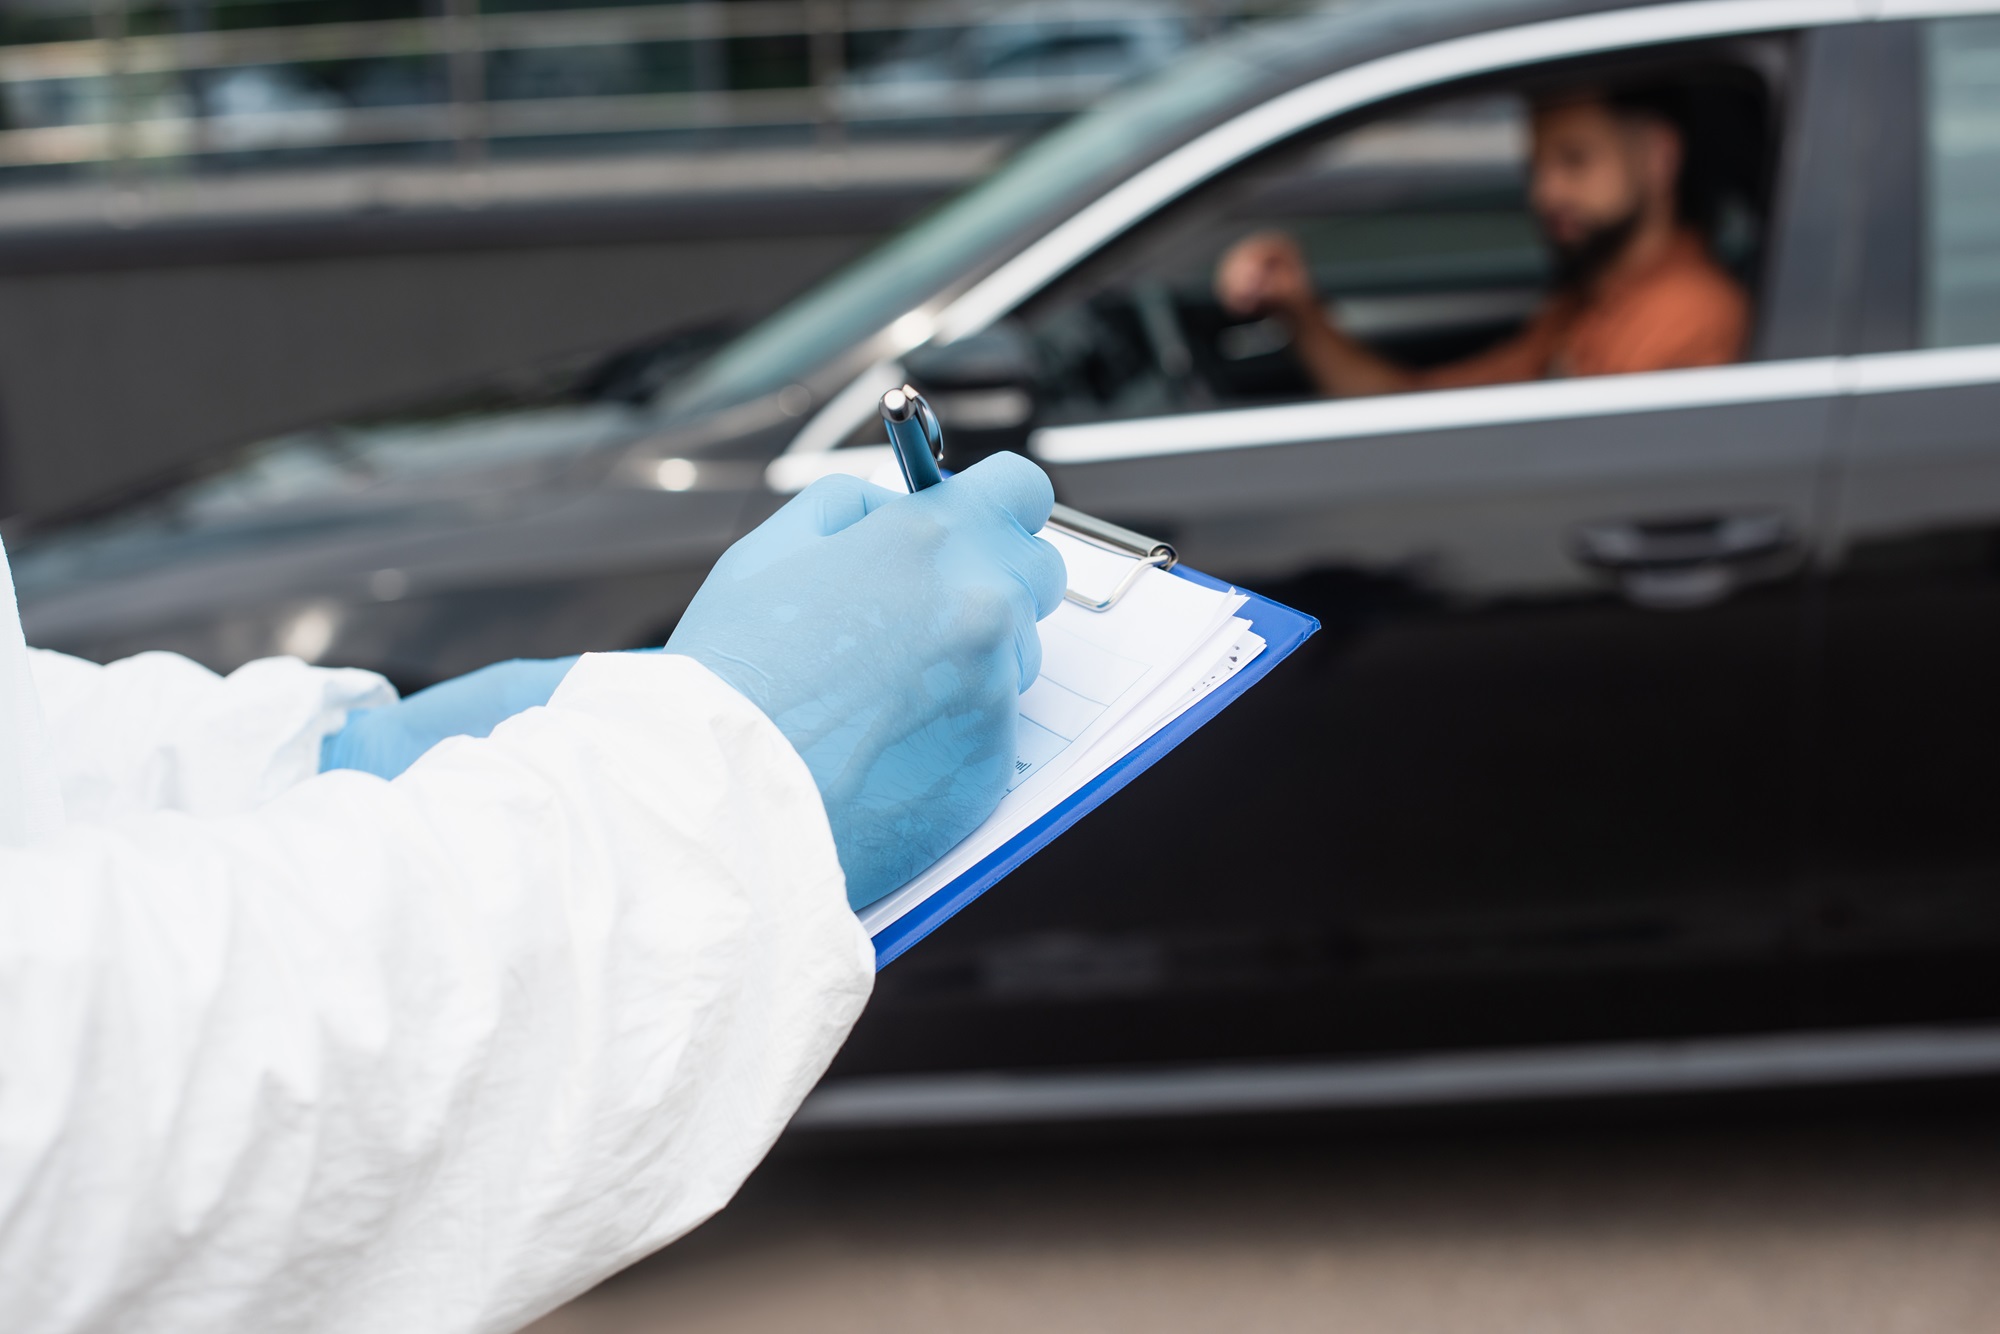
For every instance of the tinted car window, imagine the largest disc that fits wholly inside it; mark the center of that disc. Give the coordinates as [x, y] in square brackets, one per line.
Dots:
[1962, 234]
[1418, 234]
[1416, 229]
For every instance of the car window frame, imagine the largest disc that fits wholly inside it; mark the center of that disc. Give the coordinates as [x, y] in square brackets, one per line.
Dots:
[1888, 310]
[1795, 368]
[1798, 338]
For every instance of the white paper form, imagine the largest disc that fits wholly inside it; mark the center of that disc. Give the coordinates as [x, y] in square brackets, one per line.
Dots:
[1232, 648]
[1108, 681]
[1063, 703]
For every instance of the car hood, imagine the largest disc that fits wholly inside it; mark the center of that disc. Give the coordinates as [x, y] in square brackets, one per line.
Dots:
[416, 470]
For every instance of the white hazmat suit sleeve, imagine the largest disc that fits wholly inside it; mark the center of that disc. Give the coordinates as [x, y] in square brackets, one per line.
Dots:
[430, 1055]
[160, 732]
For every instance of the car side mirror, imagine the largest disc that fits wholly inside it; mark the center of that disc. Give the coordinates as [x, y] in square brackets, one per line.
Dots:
[983, 389]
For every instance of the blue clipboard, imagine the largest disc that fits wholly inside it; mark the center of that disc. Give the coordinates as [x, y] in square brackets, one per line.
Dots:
[1283, 630]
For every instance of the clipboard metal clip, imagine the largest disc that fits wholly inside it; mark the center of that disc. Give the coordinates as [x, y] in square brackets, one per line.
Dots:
[1146, 552]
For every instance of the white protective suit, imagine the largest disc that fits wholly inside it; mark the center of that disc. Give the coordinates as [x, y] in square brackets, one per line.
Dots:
[291, 1052]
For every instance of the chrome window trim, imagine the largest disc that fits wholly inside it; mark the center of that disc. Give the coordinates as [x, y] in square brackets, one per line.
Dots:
[1497, 405]
[1435, 410]
[1151, 189]
[1896, 10]
[1924, 368]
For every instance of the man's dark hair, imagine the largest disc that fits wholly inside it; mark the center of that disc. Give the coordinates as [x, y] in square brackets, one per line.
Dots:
[1655, 103]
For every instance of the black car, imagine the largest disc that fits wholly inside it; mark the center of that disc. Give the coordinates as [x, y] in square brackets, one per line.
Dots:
[1649, 740]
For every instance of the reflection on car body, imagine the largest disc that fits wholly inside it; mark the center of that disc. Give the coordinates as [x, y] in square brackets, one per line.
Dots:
[1650, 705]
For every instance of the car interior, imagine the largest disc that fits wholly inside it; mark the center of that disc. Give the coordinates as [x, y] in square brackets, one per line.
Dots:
[1416, 224]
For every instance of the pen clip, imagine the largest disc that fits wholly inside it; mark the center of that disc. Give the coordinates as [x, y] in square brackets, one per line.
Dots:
[927, 419]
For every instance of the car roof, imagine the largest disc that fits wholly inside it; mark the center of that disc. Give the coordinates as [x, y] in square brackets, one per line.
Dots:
[1351, 31]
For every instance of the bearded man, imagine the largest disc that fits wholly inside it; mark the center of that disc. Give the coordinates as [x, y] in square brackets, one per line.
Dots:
[1636, 288]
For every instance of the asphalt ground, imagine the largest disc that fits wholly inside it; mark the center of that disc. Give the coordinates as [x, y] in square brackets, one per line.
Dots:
[1871, 1211]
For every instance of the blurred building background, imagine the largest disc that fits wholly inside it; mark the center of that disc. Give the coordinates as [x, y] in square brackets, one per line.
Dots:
[225, 218]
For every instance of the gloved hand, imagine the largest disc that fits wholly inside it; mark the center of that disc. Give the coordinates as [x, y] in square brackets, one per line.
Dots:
[889, 638]
[388, 740]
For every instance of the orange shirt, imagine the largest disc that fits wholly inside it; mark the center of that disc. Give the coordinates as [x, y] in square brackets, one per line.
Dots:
[1681, 311]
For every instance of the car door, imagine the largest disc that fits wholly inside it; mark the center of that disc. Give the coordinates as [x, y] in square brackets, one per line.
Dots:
[1535, 780]
[1902, 907]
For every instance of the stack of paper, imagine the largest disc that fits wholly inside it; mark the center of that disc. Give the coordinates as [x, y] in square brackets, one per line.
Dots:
[1109, 680]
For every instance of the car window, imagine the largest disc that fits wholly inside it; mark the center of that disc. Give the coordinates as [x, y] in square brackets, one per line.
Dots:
[1416, 232]
[1418, 236]
[1962, 214]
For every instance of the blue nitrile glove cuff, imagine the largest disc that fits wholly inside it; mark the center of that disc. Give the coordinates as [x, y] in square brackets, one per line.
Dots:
[889, 638]
[388, 740]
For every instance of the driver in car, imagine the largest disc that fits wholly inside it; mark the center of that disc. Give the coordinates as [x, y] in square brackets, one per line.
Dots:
[1636, 288]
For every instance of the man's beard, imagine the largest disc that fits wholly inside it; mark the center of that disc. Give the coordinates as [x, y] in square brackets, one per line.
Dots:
[1579, 264]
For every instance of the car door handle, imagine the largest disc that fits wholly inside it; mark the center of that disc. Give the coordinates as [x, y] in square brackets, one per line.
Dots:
[1652, 544]
[1684, 563]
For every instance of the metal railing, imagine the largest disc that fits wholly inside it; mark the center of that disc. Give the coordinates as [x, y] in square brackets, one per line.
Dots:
[145, 89]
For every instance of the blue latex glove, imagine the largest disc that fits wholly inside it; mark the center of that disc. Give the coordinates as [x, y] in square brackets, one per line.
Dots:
[388, 740]
[889, 638]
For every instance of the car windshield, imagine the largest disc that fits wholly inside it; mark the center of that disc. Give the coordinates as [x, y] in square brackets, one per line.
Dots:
[864, 298]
